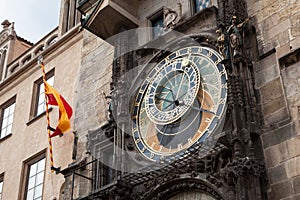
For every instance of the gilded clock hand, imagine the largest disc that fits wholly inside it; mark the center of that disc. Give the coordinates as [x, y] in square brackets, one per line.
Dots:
[198, 109]
[203, 110]
[167, 100]
[175, 102]
[173, 95]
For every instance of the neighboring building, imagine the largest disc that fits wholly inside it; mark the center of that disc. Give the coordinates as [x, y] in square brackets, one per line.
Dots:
[24, 159]
[158, 113]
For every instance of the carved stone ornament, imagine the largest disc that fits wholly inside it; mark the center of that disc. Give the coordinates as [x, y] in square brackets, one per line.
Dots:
[3, 38]
[170, 18]
[5, 24]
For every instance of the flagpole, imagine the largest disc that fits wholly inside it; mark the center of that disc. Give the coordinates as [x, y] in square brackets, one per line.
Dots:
[40, 62]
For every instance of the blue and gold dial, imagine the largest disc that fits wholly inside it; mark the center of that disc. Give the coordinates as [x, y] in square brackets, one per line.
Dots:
[172, 92]
[180, 103]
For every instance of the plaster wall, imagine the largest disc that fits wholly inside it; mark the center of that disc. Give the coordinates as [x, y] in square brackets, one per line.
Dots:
[29, 136]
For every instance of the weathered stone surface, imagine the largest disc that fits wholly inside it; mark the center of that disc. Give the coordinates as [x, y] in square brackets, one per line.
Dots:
[293, 167]
[281, 190]
[271, 7]
[283, 37]
[295, 20]
[277, 29]
[291, 12]
[294, 147]
[271, 21]
[276, 154]
[289, 198]
[267, 62]
[283, 50]
[297, 197]
[295, 31]
[279, 135]
[266, 74]
[274, 105]
[295, 42]
[277, 174]
[296, 185]
[276, 117]
[291, 88]
[271, 90]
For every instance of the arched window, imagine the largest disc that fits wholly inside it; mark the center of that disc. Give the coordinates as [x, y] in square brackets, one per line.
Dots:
[2, 62]
[39, 49]
[71, 16]
[52, 40]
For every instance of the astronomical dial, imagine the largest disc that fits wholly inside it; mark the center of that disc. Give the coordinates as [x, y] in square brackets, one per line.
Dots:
[180, 103]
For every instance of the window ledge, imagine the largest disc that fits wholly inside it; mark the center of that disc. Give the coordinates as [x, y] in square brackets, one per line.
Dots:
[5, 137]
[38, 117]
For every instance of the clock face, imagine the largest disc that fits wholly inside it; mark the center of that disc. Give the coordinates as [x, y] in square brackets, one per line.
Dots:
[172, 92]
[180, 103]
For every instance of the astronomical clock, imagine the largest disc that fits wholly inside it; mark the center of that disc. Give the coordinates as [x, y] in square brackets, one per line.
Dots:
[180, 103]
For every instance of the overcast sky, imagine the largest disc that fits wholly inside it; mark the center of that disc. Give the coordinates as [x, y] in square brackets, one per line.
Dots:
[33, 18]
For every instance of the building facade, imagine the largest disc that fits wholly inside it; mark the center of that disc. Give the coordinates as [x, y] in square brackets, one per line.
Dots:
[187, 99]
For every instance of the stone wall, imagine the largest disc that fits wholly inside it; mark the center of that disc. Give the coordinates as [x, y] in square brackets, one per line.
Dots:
[94, 78]
[278, 34]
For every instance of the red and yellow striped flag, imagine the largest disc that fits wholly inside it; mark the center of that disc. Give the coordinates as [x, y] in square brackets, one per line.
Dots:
[65, 110]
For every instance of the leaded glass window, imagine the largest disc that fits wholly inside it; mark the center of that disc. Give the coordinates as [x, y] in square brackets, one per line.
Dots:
[158, 26]
[201, 4]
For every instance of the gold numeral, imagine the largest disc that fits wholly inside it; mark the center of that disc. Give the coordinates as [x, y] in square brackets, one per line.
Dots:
[151, 155]
[160, 148]
[207, 120]
[153, 144]
[179, 146]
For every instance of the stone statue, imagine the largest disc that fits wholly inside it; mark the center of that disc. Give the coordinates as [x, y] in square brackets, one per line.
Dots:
[221, 40]
[235, 33]
[170, 18]
[5, 24]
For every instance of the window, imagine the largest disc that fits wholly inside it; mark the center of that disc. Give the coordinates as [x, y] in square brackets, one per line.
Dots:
[107, 171]
[157, 22]
[200, 5]
[6, 117]
[1, 187]
[35, 180]
[158, 27]
[39, 105]
[2, 62]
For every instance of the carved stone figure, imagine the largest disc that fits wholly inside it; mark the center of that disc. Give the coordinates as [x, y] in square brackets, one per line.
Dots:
[5, 24]
[221, 41]
[170, 17]
[235, 33]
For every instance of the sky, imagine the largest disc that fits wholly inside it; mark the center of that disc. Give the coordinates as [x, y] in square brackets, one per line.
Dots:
[33, 18]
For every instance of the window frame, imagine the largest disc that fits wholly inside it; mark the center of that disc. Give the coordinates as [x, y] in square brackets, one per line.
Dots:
[1, 185]
[107, 172]
[36, 94]
[26, 172]
[3, 107]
